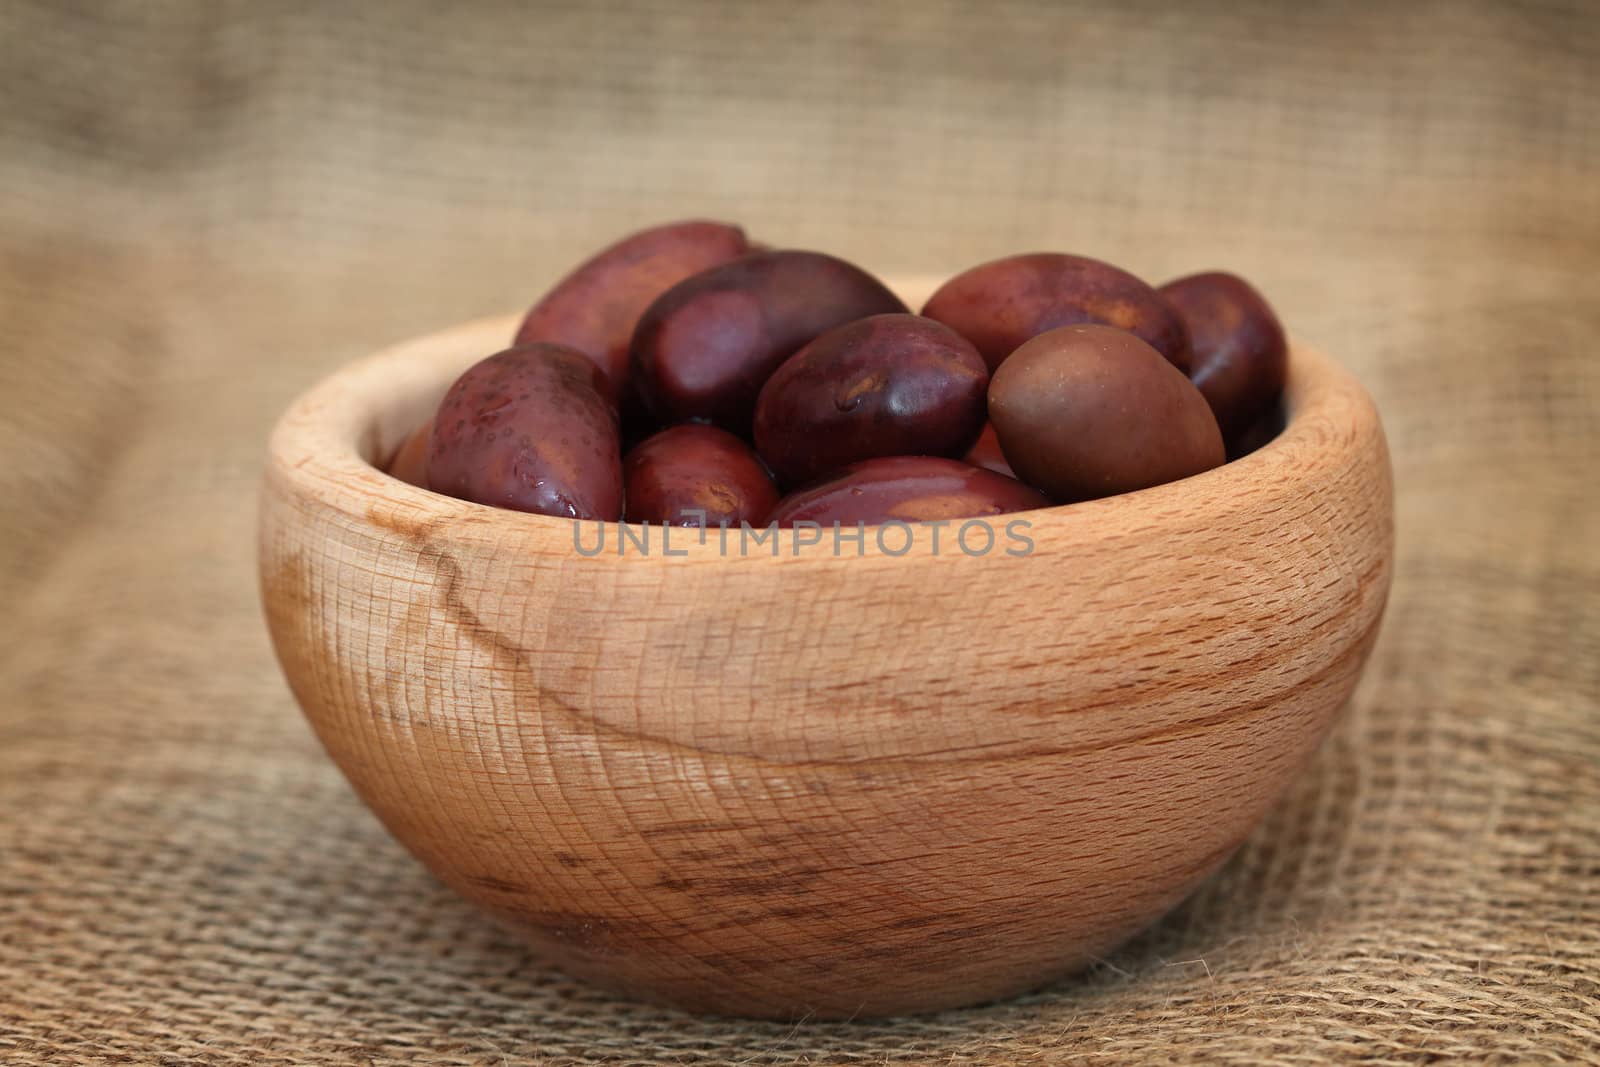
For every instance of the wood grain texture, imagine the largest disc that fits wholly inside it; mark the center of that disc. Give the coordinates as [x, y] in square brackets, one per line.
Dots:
[811, 784]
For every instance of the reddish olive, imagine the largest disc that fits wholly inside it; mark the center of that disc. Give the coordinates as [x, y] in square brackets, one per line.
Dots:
[704, 349]
[999, 305]
[531, 429]
[695, 475]
[1241, 358]
[985, 453]
[906, 489]
[1258, 433]
[888, 385]
[596, 307]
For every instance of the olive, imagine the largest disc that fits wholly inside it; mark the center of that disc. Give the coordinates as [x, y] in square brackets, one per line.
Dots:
[694, 475]
[595, 308]
[1258, 433]
[1241, 358]
[705, 347]
[410, 462]
[888, 385]
[1088, 411]
[906, 489]
[531, 429]
[985, 453]
[999, 305]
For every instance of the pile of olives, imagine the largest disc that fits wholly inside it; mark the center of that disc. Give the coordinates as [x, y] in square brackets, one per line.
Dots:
[685, 376]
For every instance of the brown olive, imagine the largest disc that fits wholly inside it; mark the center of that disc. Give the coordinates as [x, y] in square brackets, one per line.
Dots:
[704, 349]
[1088, 411]
[410, 462]
[999, 305]
[1241, 359]
[595, 308]
[531, 429]
[985, 452]
[888, 385]
[906, 489]
[695, 475]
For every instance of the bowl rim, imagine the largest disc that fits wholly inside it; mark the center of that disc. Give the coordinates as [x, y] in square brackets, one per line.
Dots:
[326, 446]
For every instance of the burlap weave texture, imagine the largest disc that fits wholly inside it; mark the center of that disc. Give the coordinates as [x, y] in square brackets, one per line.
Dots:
[205, 207]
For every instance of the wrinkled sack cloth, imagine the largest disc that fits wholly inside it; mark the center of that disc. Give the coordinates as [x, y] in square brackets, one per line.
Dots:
[205, 208]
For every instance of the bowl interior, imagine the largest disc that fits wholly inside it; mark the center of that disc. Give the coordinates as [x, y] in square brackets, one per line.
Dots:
[372, 406]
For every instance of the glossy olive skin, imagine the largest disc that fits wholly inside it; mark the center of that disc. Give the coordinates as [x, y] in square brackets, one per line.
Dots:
[693, 475]
[888, 385]
[985, 452]
[596, 307]
[999, 305]
[1089, 411]
[530, 429]
[708, 345]
[1241, 357]
[906, 489]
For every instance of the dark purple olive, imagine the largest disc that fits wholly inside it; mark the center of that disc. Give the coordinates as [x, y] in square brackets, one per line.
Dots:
[985, 453]
[695, 475]
[595, 308]
[1258, 433]
[1241, 359]
[704, 349]
[530, 429]
[1089, 411]
[999, 305]
[888, 385]
[906, 489]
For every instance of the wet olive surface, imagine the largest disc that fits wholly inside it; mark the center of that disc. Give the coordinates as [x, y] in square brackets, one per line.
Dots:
[694, 475]
[888, 385]
[530, 429]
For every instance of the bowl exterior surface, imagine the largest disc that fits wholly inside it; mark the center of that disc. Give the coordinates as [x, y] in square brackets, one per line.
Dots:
[820, 783]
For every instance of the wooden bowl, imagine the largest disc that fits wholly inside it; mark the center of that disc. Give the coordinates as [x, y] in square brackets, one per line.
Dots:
[816, 784]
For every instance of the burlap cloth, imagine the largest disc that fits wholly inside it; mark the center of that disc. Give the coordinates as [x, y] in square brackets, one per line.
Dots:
[205, 207]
